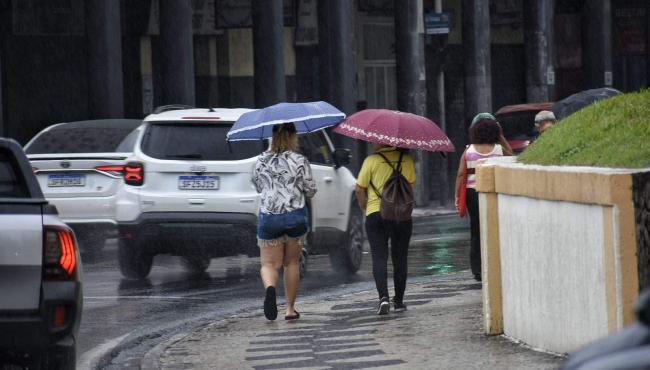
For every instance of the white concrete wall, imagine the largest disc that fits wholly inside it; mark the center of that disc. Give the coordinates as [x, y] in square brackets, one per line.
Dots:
[552, 267]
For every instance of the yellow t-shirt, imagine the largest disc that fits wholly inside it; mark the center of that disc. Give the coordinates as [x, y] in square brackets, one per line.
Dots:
[376, 169]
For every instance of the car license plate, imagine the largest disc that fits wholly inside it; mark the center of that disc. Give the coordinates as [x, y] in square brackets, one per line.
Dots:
[55, 181]
[198, 182]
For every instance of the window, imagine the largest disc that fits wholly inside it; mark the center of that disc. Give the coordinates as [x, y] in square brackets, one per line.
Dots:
[12, 183]
[199, 141]
[78, 140]
[126, 146]
[315, 148]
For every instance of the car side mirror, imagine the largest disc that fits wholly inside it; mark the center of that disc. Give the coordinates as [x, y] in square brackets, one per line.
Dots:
[342, 157]
[643, 307]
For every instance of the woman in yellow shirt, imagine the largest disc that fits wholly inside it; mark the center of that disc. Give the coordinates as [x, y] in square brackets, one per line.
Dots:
[374, 173]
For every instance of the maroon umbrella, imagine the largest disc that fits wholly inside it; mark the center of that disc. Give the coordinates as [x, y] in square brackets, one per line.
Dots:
[394, 128]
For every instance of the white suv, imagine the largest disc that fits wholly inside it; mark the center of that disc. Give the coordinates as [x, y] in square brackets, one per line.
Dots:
[189, 193]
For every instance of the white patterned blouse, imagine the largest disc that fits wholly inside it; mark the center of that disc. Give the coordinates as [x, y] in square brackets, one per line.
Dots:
[283, 180]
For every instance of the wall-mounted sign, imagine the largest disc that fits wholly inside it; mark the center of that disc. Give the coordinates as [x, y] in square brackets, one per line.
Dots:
[609, 80]
[506, 13]
[45, 17]
[550, 76]
[437, 23]
[237, 13]
[630, 27]
[203, 18]
[381, 6]
[307, 23]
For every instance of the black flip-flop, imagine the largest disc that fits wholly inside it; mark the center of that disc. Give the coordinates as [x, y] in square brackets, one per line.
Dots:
[270, 305]
[293, 317]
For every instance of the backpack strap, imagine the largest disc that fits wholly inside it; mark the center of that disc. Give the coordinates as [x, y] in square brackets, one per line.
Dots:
[397, 168]
[374, 188]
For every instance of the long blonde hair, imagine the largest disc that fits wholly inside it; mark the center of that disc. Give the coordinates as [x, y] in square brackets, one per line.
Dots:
[284, 138]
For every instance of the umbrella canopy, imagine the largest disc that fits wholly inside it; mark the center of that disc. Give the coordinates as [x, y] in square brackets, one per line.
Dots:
[306, 117]
[394, 128]
[579, 100]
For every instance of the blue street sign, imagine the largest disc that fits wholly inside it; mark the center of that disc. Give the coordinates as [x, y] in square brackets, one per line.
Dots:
[436, 23]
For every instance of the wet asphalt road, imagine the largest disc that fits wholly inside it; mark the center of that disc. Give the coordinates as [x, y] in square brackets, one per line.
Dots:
[124, 319]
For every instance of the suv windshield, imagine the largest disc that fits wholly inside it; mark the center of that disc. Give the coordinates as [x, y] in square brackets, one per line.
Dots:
[199, 141]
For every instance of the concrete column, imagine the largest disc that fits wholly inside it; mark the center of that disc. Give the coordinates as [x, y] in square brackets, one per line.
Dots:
[476, 45]
[411, 77]
[306, 77]
[439, 111]
[597, 43]
[2, 125]
[268, 25]
[207, 86]
[177, 52]
[337, 64]
[105, 85]
[538, 33]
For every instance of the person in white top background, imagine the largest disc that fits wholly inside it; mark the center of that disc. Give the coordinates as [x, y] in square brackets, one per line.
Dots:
[486, 138]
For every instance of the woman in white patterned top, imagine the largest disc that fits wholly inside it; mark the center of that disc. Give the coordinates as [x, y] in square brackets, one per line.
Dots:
[283, 178]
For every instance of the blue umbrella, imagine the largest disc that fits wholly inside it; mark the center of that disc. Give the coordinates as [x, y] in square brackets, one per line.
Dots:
[306, 117]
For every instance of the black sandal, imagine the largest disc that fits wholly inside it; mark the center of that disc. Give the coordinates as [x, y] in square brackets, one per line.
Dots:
[293, 317]
[270, 305]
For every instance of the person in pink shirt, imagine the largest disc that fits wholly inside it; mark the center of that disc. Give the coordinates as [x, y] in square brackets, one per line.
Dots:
[487, 141]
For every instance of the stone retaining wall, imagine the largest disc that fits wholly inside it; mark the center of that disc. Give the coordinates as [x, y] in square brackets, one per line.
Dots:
[565, 250]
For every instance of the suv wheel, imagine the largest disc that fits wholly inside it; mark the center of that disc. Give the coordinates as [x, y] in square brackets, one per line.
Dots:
[135, 263]
[347, 257]
[196, 263]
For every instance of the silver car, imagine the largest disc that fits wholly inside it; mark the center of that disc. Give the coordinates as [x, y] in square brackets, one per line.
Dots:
[40, 272]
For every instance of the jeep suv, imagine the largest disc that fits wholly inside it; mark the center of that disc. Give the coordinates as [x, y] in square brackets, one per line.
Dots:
[189, 193]
[40, 272]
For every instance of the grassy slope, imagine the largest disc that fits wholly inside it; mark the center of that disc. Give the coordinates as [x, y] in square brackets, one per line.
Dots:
[609, 133]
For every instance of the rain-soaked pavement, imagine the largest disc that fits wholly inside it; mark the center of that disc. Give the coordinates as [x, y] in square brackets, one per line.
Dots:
[123, 319]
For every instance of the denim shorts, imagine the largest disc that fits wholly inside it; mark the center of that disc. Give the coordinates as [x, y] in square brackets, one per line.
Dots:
[293, 224]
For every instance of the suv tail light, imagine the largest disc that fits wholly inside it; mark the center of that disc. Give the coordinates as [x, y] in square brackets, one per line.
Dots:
[113, 170]
[60, 254]
[133, 172]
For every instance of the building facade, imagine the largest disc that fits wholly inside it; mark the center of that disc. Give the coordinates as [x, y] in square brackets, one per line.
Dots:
[65, 60]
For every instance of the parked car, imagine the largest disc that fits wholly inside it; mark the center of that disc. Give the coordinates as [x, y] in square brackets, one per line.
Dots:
[80, 166]
[189, 193]
[41, 301]
[518, 123]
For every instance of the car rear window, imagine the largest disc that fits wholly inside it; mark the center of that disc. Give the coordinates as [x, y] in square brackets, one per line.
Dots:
[196, 141]
[78, 140]
[12, 182]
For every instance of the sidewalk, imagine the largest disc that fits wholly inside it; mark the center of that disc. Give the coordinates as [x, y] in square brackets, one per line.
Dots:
[442, 329]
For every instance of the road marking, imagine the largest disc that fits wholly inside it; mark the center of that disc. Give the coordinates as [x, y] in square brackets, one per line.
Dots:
[146, 297]
[89, 360]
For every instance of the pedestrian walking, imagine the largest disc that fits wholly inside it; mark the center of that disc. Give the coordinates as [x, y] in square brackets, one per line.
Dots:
[485, 135]
[385, 188]
[284, 180]
[544, 120]
[375, 173]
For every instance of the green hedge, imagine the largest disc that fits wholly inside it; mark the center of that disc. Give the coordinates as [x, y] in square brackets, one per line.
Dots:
[609, 133]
